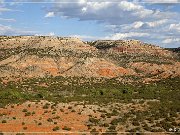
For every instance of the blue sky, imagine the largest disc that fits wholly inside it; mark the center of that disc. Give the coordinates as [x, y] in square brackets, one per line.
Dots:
[156, 22]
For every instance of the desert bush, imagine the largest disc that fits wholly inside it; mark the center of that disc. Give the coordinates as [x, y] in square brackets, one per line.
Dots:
[49, 120]
[93, 120]
[56, 128]
[115, 121]
[24, 110]
[46, 106]
[27, 113]
[66, 128]
[4, 121]
[112, 128]
[135, 123]
[39, 123]
[25, 128]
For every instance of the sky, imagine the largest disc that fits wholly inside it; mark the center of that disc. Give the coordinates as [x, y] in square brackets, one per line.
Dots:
[151, 21]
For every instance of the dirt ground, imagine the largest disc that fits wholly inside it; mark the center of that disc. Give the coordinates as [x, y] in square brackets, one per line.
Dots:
[45, 117]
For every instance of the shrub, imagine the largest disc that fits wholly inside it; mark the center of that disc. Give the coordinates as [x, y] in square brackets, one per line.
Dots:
[49, 120]
[103, 115]
[53, 112]
[73, 110]
[57, 117]
[46, 111]
[94, 132]
[27, 113]
[24, 110]
[112, 127]
[115, 121]
[66, 128]
[106, 125]
[93, 120]
[20, 134]
[46, 106]
[25, 128]
[56, 128]
[39, 123]
[61, 110]
[135, 123]
[4, 121]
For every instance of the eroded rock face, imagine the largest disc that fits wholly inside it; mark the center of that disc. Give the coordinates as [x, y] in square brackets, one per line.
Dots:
[31, 56]
[131, 47]
[163, 71]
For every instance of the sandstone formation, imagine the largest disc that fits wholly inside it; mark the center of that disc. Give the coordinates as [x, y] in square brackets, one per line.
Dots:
[42, 56]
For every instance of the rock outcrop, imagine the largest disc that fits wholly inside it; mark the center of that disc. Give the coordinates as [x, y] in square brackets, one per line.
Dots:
[41, 56]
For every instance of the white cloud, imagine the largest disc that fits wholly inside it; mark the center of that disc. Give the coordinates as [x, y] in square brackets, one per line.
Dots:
[51, 34]
[123, 19]
[157, 23]
[113, 13]
[86, 37]
[49, 14]
[171, 40]
[128, 6]
[3, 9]
[175, 27]
[139, 25]
[9, 30]
[7, 20]
[5, 29]
[47, 34]
[118, 36]
[161, 1]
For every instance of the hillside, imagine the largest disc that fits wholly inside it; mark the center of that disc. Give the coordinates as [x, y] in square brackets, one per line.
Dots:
[126, 60]
[64, 85]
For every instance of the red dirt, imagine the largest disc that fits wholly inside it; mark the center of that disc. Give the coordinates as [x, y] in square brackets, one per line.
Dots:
[67, 118]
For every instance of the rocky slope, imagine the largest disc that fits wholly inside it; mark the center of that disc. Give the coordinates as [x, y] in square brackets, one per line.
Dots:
[128, 61]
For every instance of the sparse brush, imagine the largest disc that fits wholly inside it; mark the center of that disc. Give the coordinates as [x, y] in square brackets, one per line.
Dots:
[56, 128]
[66, 128]
[4, 121]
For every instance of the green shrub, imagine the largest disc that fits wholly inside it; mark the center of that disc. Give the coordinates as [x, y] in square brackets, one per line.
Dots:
[115, 121]
[136, 123]
[93, 120]
[66, 128]
[46, 106]
[49, 120]
[56, 128]
[112, 128]
[4, 121]
[27, 113]
[24, 110]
